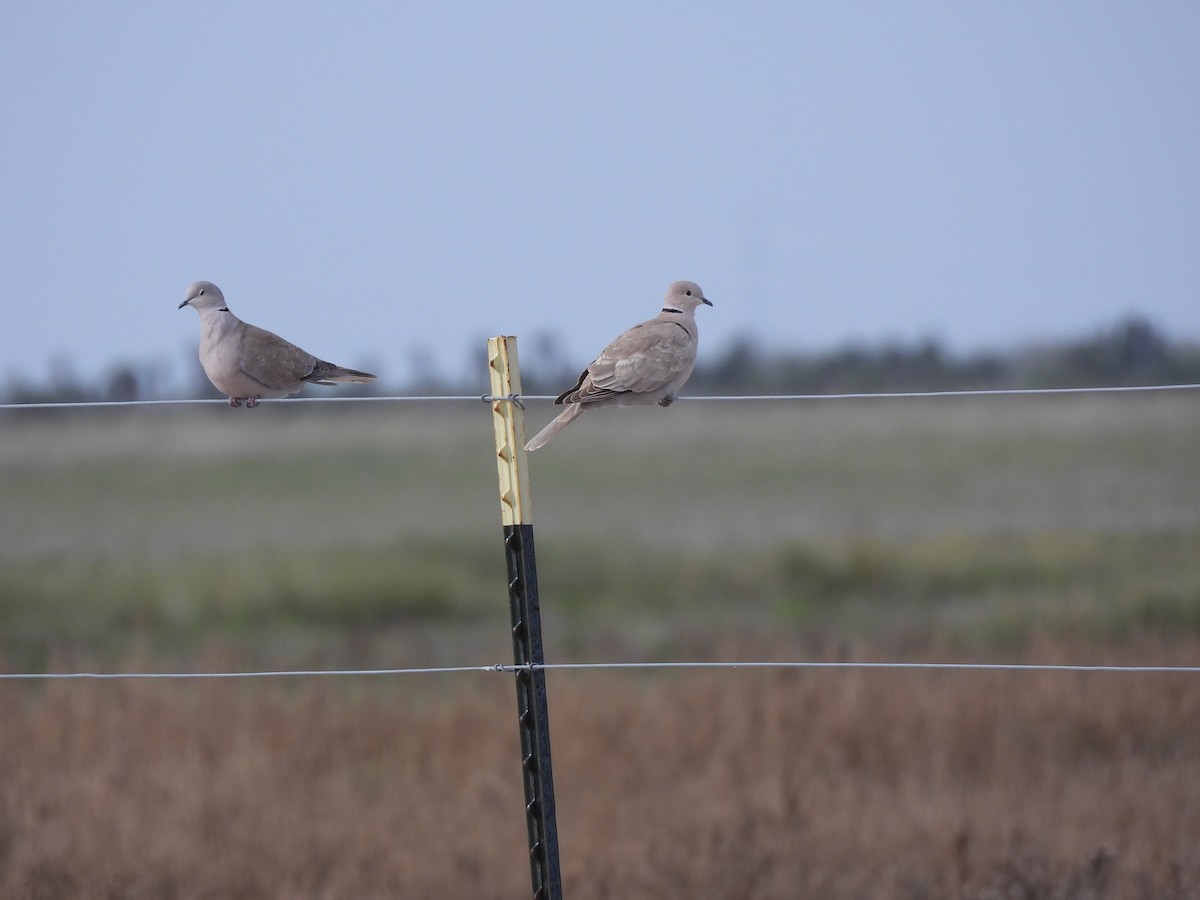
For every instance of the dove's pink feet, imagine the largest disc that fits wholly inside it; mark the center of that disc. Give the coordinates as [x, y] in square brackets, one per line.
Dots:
[252, 402]
[235, 402]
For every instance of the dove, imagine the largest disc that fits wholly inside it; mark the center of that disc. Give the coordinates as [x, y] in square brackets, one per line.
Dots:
[248, 363]
[647, 364]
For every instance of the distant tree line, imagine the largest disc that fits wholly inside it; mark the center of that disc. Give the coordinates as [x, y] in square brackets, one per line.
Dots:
[123, 381]
[1132, 352]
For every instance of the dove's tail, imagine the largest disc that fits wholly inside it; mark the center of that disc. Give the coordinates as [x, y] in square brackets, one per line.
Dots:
[338, 375]
[557, 424]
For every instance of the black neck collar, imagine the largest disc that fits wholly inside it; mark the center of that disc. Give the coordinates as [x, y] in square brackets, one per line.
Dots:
[672, 310]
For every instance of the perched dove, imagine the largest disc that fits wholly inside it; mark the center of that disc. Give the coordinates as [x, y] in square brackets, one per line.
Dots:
[247, 363]
[647, 364]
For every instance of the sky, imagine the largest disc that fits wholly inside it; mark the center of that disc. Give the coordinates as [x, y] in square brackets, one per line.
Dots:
[389, 184]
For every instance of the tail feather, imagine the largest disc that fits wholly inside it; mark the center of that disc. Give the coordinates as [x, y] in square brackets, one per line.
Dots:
[338, 375]
[557, 424]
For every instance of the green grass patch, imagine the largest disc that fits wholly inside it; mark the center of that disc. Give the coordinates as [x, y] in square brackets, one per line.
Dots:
[983, 591]
[101, 607]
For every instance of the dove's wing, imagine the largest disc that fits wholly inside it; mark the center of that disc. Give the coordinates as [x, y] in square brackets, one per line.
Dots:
[646, 359]
[277, 363]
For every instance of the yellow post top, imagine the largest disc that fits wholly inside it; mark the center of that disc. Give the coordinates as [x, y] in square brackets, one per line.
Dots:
[508, 424]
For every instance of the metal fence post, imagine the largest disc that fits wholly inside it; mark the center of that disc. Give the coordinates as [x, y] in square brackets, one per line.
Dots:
[516, 512]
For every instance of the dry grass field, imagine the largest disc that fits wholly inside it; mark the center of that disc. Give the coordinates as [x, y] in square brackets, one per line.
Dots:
[1037, 530]
[761, 784]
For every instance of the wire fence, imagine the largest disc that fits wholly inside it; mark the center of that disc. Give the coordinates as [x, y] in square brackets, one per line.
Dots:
[487, 398]
[509, 669]
[610, 666]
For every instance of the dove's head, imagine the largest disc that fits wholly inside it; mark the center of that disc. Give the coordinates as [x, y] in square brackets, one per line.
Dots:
[685, 296]
[203, 295]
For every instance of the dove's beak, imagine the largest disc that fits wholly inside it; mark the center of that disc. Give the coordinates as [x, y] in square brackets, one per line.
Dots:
[706, 301]
[189, 300]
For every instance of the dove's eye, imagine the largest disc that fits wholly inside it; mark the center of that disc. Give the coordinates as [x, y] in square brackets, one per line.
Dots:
[689, 293]
[201, 294]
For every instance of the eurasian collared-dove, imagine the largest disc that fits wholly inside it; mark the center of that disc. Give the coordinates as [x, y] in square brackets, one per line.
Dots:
[247, 363]
[647, 364]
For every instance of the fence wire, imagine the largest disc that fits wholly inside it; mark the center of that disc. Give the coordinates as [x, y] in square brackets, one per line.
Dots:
[486, 398]
[508, 668]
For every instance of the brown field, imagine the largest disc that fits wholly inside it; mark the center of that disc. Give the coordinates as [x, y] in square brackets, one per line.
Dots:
[1039, 530]
[745, 784]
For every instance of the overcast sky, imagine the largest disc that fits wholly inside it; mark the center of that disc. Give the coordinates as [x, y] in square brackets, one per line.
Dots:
[371, 179]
